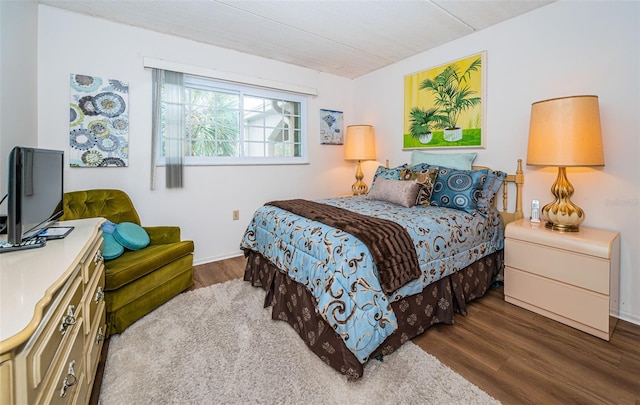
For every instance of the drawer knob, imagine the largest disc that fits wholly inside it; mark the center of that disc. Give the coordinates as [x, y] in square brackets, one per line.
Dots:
[70, 380]
[67, 320]
[100, 336]
[99, 295]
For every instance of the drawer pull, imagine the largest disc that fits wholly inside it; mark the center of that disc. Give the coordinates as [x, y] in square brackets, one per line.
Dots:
[98, 257]
[99, 295]
[100, 336]
[70, 380]
[67, 320]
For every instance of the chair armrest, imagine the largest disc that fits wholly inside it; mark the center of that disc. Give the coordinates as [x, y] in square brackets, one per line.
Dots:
[160, 235]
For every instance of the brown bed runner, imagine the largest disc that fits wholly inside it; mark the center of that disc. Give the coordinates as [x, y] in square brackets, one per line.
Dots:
[390, 244]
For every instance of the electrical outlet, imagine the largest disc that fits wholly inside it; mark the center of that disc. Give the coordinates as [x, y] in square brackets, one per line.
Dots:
[236, 215]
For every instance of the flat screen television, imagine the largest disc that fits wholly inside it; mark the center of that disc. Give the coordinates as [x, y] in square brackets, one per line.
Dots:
[35, 191]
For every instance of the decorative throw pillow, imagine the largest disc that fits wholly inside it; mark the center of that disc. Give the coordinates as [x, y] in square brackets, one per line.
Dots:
[395, 191]
[388, 173]
[490, 188]
[425, 178]
[459, 161]
[132, 236]
[458, 189]
[111, 248]
[422, 166]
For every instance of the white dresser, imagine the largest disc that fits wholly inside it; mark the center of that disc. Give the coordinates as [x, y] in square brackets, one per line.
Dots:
[52, 318]
[571, 277]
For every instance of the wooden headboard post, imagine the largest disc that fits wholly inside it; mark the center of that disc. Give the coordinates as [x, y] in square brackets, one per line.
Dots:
[518, 179]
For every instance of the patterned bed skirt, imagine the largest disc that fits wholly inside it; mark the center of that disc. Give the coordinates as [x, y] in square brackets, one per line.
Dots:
[293, 303]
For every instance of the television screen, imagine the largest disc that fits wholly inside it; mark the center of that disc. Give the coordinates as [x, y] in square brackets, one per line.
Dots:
[35, 191]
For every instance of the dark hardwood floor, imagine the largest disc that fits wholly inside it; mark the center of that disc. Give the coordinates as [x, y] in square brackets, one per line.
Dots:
[515, 355]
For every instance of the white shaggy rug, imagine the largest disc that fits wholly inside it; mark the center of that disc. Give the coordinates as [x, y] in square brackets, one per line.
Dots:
[217, 345]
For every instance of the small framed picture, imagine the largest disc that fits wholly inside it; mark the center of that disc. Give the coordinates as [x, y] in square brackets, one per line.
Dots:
[331, 127]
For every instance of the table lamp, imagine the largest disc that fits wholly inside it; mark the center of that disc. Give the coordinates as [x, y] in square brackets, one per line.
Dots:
[359, 145]
[565, 132]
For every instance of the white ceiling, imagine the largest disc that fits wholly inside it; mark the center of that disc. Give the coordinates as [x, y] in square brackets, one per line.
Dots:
[347, 38]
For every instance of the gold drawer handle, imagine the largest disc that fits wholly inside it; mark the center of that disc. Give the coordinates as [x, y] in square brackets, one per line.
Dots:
[100, 336]
[70, 380]
[99, 295]
[67, 320]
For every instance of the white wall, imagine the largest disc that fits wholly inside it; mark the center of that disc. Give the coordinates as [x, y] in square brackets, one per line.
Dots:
[566, 48]
[18, 78]
[72, 43]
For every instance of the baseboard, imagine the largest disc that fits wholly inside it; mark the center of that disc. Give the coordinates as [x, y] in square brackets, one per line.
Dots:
[631, 318]
[217, 258]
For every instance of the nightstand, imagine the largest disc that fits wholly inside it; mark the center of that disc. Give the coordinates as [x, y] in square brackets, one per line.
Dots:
[571, 277]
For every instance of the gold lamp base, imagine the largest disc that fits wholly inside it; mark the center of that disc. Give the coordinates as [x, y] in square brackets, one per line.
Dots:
[562, 215]
[359, 187]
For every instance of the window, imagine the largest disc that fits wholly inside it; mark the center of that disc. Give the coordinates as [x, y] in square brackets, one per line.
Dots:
[228, 123]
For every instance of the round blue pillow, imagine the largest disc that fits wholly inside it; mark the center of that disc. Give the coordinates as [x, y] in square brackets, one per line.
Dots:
[131, 236]
[112, 248]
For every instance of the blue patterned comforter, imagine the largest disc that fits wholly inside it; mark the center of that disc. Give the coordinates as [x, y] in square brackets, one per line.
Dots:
[338, 270]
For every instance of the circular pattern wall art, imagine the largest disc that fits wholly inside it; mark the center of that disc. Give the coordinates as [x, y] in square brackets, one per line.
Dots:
[98, 122]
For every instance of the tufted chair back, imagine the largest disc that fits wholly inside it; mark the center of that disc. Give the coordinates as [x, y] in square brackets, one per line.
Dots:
[114, 205]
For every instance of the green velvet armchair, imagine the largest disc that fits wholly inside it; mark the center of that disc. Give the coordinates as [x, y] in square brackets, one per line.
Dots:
[138, 281]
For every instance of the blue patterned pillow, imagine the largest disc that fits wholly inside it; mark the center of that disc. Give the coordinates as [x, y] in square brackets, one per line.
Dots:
[458, 189]
[489, 190]
[422, 166]
[389, 174]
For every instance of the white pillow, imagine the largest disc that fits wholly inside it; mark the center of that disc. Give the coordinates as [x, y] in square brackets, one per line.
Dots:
[395, 191]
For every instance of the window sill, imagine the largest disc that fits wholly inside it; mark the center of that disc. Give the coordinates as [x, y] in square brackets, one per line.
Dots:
[257, 162]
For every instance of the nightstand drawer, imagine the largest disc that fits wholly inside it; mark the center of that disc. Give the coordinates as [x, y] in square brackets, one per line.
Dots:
[564, 266]
[582, 306]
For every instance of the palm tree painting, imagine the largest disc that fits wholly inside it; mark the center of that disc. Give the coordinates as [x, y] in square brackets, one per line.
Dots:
[444, 105]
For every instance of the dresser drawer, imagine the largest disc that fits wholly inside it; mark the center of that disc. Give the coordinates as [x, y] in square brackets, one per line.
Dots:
[93, 297]
[6, 378]
[94, 343]
[92, 260]
[564, 266]
[66, 383]
[55, 334]
[582, 306]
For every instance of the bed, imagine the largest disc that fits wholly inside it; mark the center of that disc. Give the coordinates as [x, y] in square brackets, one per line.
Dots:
[340, 271]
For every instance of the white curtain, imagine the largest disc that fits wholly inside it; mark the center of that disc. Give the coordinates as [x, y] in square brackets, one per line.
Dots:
[172, 84]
